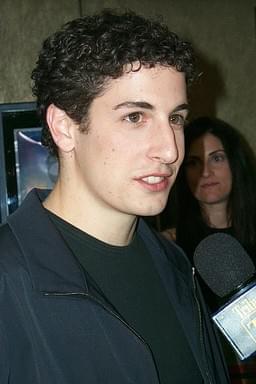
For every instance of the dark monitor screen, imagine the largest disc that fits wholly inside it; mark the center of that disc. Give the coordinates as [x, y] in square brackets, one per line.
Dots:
[24, 162]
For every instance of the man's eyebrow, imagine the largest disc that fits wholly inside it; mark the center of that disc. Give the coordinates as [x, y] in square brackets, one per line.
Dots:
[132, 104]
[146, 105]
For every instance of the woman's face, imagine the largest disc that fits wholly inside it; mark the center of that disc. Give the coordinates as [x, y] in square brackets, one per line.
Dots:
[207, 170]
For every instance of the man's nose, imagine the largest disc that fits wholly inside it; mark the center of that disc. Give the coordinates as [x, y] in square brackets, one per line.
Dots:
[164, 148]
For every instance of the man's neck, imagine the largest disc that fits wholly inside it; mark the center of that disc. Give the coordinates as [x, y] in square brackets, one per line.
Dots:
[103, 223]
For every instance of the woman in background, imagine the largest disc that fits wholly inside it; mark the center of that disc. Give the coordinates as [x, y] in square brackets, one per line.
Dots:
[216, 192]
[216, 186]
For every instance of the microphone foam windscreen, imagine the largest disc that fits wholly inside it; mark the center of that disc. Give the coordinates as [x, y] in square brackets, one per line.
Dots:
[223, 263]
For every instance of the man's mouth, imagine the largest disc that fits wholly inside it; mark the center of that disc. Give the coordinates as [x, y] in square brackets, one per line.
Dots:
[155, 183]
[153, 179]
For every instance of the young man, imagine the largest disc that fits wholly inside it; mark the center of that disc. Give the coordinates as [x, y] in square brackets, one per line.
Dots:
[88, 293]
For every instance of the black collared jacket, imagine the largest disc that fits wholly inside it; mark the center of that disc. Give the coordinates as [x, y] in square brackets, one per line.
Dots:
[56, 328]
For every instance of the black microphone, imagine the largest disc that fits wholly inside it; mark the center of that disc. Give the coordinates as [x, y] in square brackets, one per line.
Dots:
[229, 272]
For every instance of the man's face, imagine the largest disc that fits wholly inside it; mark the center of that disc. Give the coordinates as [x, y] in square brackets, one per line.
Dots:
[130, 157]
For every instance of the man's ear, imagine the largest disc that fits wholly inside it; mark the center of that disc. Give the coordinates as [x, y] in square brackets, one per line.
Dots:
[61, 127]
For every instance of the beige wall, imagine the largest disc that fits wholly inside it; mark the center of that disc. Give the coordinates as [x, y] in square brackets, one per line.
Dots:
[23, 26]
[222, 31]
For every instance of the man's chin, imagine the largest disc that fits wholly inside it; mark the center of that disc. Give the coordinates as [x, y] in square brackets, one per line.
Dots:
[152, 210]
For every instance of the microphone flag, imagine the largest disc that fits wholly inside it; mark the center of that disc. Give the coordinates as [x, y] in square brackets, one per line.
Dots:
[229, 272]
[237, 321]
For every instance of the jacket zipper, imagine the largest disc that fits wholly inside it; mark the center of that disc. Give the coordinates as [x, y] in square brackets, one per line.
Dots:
[93, 298]
[201, 328]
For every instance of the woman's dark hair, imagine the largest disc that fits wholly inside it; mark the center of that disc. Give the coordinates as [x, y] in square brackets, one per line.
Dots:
[76, 63]
[242, 200]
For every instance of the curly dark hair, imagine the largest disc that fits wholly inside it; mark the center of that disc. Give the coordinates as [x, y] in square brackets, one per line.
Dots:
[76, 63]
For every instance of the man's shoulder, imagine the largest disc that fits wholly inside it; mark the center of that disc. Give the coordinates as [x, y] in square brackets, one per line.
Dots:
[18, 229]
[7, 238]
[8, 243]
[11, 257]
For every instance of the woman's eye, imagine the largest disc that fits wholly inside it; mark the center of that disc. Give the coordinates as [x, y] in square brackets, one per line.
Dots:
[219, 157]
[177, 120]
[134, 117]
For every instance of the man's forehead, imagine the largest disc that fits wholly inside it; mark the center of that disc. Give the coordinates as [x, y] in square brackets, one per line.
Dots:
[141, 76]
[153, 86]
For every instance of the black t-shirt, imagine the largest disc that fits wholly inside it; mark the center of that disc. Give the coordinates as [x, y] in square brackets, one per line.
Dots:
[127, 277]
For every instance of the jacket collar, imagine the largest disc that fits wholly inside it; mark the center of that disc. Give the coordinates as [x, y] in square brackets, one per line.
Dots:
[176, 274]
[51, 264]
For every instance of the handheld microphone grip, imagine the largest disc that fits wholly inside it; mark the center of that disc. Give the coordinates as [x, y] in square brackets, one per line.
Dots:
[229, 272]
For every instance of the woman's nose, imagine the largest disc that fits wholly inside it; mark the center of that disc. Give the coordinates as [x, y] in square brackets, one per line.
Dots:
[206, 169]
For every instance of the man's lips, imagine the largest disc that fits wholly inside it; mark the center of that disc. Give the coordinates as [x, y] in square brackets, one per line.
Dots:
[155, 183]
[153, 179]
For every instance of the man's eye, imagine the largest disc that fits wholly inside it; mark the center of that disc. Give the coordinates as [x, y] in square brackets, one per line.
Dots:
[134, 117]
[177, 120]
